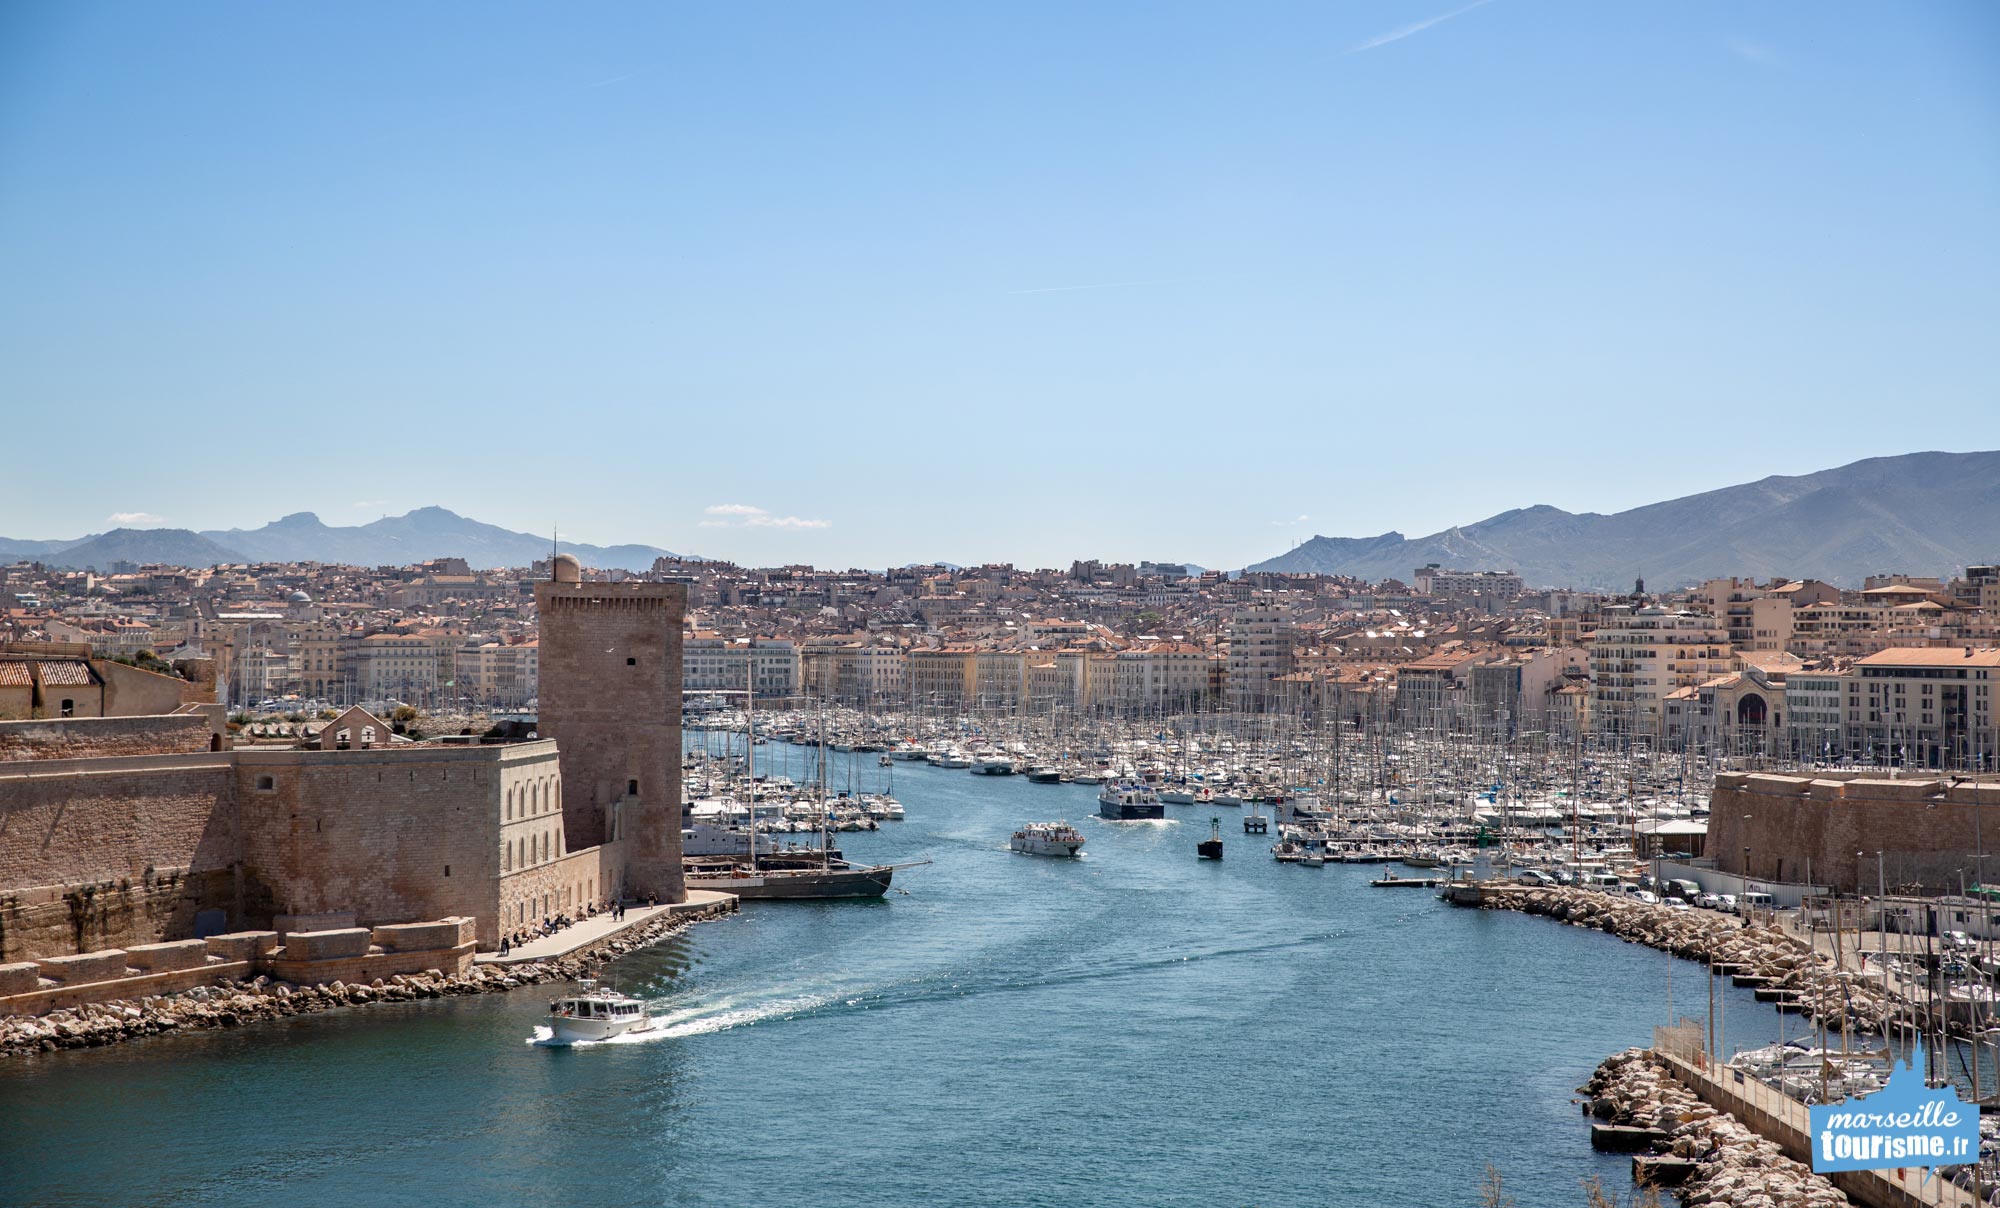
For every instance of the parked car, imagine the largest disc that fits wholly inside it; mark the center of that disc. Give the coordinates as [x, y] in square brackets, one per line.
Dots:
[1709, 901]
[1726, 903]
[1644, 897]
[1535, 877]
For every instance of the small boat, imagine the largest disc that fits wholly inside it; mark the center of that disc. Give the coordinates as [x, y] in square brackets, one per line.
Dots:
[596, 1014]
[1211, 847]
[1041, 775]
[1047, 839]
[994, 765]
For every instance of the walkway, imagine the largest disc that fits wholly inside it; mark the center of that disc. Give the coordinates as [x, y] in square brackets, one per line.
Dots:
[589, 931]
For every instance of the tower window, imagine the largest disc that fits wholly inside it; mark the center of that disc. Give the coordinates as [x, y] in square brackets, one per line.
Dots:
[631, 662]
[631, 788]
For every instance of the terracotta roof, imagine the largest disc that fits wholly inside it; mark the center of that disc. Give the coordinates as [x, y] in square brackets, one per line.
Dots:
[15, 675]
[65, 673]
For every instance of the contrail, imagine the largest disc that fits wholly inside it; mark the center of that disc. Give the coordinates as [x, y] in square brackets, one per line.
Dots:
[1397, 35]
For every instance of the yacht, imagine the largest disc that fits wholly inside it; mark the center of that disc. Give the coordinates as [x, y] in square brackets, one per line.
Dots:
[994, 765]
[954, 759]
[596, 1014]
[805, 879]
[1047, 839]
[1129, 803]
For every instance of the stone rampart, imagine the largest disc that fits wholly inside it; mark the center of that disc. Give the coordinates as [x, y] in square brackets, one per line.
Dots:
[326, 945]
[104, 737]
[1928, 827]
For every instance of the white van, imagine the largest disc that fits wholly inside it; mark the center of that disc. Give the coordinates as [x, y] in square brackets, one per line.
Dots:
[1756, 900]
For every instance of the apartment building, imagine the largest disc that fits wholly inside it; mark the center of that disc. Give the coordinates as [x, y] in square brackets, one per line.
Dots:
[1260, 637]
[1924, 706]
[1641, 654]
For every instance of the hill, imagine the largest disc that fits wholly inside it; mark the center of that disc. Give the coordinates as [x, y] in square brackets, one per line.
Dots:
[1920, 513]
[417, 536]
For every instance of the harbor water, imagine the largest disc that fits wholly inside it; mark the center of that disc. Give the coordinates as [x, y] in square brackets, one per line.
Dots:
[1133, 1028]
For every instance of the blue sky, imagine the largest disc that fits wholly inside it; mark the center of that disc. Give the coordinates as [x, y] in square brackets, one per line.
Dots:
[860, 284]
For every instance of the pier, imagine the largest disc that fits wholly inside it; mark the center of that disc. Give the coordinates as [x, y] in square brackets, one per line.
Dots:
[588, 933]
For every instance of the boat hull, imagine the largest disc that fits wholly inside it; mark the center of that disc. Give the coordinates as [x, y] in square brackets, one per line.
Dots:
[570, 1031]
[1046, 847]
[1130, 811]
[805, 885]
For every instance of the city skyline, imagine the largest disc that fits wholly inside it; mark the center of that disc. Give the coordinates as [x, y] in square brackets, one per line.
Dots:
[1196, 284]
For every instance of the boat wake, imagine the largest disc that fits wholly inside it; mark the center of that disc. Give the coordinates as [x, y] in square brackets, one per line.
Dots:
[734, 1011]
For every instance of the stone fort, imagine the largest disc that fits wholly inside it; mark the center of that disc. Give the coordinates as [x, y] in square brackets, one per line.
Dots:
[117, 831]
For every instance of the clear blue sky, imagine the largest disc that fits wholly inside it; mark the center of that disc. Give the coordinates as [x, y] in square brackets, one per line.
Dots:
[972, 282]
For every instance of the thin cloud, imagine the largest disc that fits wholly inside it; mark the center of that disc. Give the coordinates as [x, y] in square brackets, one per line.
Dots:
[370, 503]
[1412, 29]
[131, 518]
[1064, 289]
[1301, 518]
[743, 515]
[1751, 52]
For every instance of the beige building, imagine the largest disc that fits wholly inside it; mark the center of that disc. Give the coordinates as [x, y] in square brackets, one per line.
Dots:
[1929, 707]
[1639, 656]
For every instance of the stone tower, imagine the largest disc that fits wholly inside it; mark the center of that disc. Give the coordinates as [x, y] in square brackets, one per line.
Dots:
[611, 698]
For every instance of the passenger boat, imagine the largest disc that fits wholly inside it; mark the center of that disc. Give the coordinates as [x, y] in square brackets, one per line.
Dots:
[1129, 803]
[1047, 839]
[994, 765]
[596, 1014]
[1044, 775]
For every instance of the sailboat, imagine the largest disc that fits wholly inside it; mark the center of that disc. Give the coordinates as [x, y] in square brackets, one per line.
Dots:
[808, 874]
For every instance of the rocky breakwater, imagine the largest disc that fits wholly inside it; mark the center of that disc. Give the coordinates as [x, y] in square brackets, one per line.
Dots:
[1717, 1158]
[1764, 956]
[233, 1003]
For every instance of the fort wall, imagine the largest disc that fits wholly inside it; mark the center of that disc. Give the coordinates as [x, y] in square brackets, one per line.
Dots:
[1929, 829]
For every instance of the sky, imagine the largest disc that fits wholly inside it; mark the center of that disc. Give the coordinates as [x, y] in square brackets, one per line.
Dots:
[875, 284]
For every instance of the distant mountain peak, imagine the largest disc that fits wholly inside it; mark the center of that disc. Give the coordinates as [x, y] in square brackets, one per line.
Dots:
[1921, 513]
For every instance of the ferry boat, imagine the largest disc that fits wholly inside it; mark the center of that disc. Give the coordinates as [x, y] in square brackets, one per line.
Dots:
[1047, 839]
[596, 1014]
[1129, 803]
[994, 765]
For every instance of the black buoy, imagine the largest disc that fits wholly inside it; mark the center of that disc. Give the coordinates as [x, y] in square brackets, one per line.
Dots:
[1211, 847]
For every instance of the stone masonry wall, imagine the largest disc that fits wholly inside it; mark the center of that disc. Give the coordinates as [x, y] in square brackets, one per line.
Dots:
[391, 835]
[101, 737]
[1928, 828]
[611, 698]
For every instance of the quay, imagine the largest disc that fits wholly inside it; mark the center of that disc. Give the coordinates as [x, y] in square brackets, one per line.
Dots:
[590, 932]
[1786, 1122]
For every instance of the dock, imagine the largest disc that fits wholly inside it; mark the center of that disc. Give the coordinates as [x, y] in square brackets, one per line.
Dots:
[589, 932]
[1407, 882]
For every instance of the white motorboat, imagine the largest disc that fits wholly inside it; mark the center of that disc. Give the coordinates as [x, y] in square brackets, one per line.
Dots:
[994, 765]
[1047, 839]
[596, 1014]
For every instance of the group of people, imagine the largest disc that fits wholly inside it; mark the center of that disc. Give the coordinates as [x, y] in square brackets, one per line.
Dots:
[556, 922]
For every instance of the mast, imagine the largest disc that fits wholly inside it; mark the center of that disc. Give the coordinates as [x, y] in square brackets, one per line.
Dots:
[750, 740]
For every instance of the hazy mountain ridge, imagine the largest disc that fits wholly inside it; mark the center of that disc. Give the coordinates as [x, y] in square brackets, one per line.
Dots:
[416, 536]
[1919, 513]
